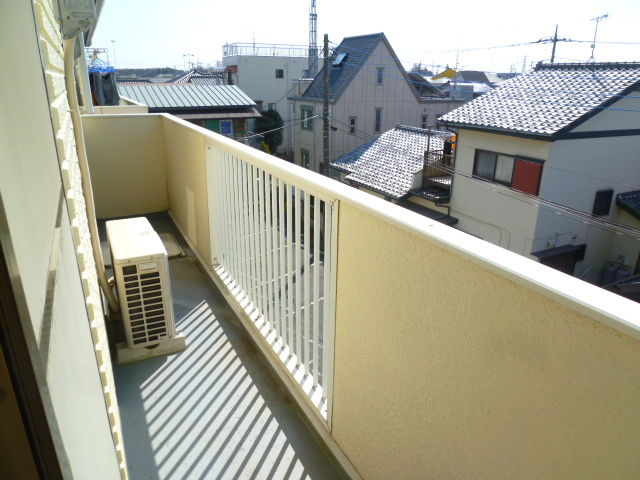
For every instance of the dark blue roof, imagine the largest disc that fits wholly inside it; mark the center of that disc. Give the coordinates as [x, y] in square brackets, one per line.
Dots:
[549, 100]
[357, 50]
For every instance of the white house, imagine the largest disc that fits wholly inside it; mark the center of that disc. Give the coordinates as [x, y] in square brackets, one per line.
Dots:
[540, 158]
[267, 73]
[369, 93]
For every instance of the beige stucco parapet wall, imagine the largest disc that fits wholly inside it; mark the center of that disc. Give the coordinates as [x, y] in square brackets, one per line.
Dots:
[53, 62]
[445, 369]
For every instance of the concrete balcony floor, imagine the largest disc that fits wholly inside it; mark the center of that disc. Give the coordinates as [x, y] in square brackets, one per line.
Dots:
[213, 411]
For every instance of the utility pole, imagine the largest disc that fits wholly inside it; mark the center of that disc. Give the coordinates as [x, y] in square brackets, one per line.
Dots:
[325, 110]
[555, 40]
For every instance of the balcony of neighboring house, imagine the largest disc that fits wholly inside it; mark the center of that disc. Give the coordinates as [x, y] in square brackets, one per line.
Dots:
[436, 175]
[321, 345]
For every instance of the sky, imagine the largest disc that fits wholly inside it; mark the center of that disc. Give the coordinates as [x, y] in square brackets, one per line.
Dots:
[159, 33]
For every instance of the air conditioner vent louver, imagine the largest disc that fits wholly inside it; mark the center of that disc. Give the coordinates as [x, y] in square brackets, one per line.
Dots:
[141, 269]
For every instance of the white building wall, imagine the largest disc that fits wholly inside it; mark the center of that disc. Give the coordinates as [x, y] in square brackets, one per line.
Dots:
[492, 212]
[46, 230]
[257, 78]
[395, 96]
[575, 170]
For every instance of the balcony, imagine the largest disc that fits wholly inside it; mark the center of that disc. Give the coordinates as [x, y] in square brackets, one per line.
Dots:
[493, 367]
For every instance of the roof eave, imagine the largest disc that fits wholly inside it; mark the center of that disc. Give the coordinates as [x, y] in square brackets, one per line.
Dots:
[500, 131]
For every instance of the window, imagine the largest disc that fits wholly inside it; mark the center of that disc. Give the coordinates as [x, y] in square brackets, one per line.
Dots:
[304, 158]
[352, 125]
[424, 122]
[517, 173]
[306, 114]
[380, 75]
[226, 128]
[272, 106]
[337, 61]
[602, 202]
[279, 73]
[378, 122]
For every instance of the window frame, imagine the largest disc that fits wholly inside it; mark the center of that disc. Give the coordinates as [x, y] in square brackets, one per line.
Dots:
[230, 124]
[306, 112]
[514, 162]
[305, 153]
[352, 125]
[377, 120]
[380, 75]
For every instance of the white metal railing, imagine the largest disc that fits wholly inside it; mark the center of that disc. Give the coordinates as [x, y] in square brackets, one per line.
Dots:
[265, 50]
[275, 251]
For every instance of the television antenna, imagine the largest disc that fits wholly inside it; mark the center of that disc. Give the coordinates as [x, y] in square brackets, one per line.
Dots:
[593, 45]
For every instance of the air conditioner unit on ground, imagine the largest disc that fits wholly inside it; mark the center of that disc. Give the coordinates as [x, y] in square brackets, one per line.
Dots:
[141, 269]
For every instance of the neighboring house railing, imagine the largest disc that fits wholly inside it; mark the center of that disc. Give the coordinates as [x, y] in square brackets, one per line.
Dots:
[275, 253]
[438, 166]
[265, 50]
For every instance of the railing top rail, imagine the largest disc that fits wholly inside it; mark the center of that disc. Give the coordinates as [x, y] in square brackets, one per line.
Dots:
[599, 304]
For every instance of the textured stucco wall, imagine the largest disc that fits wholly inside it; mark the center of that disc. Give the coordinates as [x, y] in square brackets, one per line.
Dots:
[127, 155]
[41, 194]
[447, 370]
[186, 170]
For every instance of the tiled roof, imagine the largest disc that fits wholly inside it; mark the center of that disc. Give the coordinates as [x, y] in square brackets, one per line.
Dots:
[200, 78]
[357, 50]
[548, 100]
[169, 97]
[424, 87]
[388, 164]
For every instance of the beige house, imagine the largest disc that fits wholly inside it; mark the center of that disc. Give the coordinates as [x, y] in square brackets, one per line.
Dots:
[540, 158]
[369, 93]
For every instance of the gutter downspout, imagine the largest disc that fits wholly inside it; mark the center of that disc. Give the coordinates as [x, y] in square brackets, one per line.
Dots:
[83, 80]
[69, 74]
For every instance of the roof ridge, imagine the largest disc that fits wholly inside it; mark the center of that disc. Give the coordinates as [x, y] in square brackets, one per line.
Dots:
[585, 65]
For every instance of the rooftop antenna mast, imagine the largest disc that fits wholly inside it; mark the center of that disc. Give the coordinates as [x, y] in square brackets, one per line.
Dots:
[593, 45]
[313, 40]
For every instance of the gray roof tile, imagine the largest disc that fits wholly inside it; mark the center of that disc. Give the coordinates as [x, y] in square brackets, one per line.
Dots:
[388, 164]
[548, 100]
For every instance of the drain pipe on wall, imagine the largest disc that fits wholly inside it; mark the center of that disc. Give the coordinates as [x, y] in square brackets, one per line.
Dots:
[69, 74]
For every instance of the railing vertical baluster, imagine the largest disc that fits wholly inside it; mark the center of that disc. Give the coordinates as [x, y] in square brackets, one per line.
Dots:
[308, 300]
[228, 207]
[290, 267]
[262, 254]
[326, 321]
[269, 260]
[245, 231]
[254, 239]
[283, 271]
[237, 229]
[298, 265]
[316, 289]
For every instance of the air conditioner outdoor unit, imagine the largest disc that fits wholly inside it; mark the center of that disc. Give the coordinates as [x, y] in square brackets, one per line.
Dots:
[141, 269]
